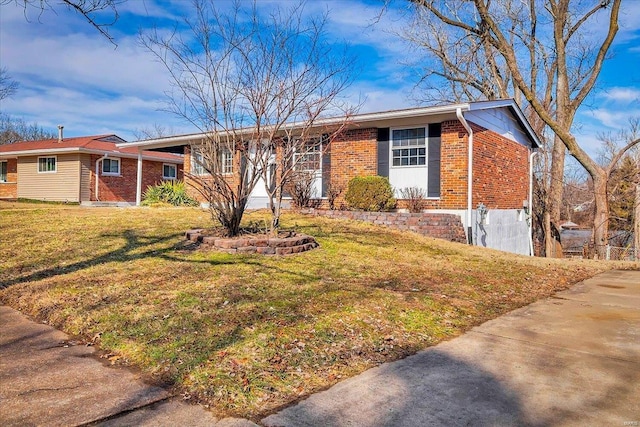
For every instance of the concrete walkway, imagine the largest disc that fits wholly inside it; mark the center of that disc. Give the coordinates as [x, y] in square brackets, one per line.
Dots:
[570, 360]
[47, 380]
[573, 359]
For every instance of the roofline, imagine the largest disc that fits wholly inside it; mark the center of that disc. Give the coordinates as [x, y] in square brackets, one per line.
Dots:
[355, 119]
[358, 118]
[73, 150]
[511, 103]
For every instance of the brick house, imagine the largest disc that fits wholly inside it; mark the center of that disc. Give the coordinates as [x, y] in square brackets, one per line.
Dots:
[437, 149]
[86, 169]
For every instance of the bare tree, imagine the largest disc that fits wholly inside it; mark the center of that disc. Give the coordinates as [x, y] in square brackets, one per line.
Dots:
[623, 175]
[14, 129]
[8, 86]
[156, 131]
[257, 87]
[101, 14]
[541, 48]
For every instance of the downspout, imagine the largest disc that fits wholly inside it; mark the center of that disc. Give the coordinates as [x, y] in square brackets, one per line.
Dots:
[469, 174]
[531, 156]
[98, 173]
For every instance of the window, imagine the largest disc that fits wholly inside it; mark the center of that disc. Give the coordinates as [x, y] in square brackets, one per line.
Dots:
[198, 163]
[111, 167]
[418, 148]
[409, 147]
[227, 162]
[169, 171]
[3, 171]
[47, 164]
[310, 157]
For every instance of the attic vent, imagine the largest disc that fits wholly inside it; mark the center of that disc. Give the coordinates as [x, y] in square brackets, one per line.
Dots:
[60, 127]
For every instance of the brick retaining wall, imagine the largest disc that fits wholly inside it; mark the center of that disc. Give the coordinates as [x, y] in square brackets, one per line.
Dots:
[438, 225]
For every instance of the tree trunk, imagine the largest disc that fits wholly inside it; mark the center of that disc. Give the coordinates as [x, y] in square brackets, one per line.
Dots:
[601, 220]
[636, 222]
[548, 236]
[557, 179]
[554, 196]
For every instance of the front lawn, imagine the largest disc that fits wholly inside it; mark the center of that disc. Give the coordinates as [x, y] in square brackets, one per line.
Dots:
[246, 334]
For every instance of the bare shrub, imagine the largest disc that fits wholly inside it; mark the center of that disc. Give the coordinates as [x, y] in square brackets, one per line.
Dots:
[333, 192]
[415, 198]
[301, 189]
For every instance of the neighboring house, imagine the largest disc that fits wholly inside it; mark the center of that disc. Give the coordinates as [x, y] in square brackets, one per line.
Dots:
[85, 169]
[436, 149]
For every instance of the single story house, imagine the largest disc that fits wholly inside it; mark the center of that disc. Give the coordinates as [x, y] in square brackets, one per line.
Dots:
[88, 170]
[472, 159]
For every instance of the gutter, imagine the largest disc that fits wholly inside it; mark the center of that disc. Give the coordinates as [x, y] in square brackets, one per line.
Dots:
[469, 174]
[98, 173]
[73, 150]
[360, 118]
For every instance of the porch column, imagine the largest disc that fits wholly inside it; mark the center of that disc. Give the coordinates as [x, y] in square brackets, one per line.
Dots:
[139, 179]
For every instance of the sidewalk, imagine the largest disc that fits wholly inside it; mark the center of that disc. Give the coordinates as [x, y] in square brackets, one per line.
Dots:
[573, 359]
[570, 360]
[47, 380]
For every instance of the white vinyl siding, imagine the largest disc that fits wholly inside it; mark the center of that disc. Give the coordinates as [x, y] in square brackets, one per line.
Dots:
[64, 185]
[85, 177]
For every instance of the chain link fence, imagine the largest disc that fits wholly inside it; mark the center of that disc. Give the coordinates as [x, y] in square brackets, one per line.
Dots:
[615, 253]
[605, 252]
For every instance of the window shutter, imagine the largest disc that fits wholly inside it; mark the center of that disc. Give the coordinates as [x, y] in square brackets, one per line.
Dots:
[433, 183]
[325, 149]
[383, 152]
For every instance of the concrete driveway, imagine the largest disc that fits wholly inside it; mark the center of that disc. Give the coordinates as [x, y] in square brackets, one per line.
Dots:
[570, 360]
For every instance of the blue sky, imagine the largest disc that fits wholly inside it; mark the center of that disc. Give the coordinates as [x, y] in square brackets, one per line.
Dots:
[69, 74]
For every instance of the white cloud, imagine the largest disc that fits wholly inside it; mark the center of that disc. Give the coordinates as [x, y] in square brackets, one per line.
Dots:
[622, 94]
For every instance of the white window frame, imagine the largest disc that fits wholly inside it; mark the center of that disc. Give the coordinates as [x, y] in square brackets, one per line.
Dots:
[311, 154]
[175, 171]
[111, 159]
[226, 163]
[55, 164]
[416, 147]
[4, 178]
[197, 168]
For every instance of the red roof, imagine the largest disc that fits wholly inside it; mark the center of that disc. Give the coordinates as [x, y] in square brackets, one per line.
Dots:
[100, 144]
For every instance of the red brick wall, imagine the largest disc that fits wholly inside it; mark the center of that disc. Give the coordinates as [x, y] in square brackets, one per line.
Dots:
[353, 153]
[192, 184]
[9, 189]
[453, 167]
[501, 167]
[122, 188]
[500, 170]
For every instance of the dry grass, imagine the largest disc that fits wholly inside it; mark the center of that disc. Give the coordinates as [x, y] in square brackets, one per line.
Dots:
[248, 334]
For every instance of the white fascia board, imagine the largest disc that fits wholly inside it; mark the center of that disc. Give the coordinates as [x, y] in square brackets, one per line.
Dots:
[359, 118]
[73, 150]
[177, 160]
[510, 103]
[41, 152]
[170, 141]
